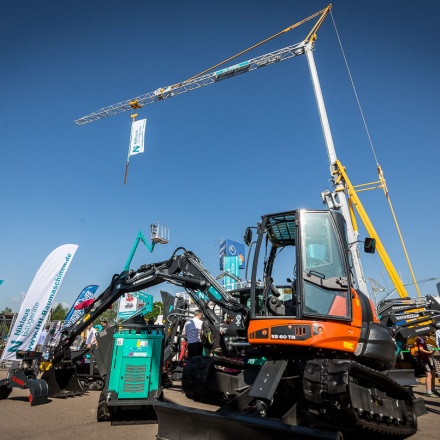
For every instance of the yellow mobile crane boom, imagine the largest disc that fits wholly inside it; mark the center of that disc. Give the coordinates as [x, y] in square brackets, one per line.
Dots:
[343, 183]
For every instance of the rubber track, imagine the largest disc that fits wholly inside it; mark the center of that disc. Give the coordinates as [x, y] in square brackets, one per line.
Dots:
[359, 378]
[103, 413]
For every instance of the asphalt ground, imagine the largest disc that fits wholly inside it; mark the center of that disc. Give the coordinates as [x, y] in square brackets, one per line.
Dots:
[75, 417]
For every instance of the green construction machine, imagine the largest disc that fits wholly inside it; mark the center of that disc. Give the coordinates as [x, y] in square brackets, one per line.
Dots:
[134, 377]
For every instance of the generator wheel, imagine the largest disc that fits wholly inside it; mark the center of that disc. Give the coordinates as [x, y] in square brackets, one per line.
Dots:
[99, 384]
[103, 413]
[4, 392]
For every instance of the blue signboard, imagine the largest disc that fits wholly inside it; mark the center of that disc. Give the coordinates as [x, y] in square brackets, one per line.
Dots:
[231, 265]
[229, 248]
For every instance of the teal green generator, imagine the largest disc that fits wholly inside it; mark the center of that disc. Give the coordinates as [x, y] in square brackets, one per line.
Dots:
[134, 379]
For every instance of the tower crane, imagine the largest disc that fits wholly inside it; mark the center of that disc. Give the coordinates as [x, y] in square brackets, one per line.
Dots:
[205, 79]
[340, 199]
[305, 47]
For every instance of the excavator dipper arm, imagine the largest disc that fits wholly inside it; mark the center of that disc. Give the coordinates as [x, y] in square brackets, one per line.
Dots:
[185, 270]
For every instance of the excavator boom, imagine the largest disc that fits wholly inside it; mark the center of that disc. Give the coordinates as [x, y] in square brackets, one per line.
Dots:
[183, 269]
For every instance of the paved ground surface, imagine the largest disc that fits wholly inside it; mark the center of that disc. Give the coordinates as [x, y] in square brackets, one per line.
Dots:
[75, 417]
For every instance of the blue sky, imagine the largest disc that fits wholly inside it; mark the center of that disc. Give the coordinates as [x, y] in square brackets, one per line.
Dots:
[216, 158]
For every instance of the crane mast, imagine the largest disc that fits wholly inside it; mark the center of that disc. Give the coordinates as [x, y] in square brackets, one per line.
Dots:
[342, 200]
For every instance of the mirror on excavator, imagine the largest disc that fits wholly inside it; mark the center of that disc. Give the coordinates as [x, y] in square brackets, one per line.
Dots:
[370, 245]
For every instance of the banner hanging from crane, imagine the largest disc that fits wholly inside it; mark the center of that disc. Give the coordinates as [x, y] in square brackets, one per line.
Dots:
[137, 137]
[37, 303]
[136, 146]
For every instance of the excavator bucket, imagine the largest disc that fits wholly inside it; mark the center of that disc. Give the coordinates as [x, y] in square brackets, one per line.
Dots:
[63, 381]
[180, 423]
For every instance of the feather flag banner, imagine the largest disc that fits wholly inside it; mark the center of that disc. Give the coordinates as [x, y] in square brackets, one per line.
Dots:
[37, 303]
[137, 138]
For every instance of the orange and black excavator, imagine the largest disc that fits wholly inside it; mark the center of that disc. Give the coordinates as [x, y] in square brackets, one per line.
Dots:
[328, 362]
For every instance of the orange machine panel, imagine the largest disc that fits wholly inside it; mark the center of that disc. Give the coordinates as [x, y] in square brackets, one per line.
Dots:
[328, 335]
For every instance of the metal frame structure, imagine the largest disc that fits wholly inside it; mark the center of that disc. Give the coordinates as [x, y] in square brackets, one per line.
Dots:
[196, 83]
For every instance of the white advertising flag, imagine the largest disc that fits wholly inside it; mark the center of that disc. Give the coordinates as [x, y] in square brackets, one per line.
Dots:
[137, 137]
[38, 301]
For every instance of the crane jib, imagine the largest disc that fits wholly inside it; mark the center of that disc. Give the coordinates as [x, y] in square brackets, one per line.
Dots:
[197, 82]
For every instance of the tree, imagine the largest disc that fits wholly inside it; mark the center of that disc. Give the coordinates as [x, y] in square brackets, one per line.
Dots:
[6, 310]
[109, 315]
[157, 310]
[59, 313]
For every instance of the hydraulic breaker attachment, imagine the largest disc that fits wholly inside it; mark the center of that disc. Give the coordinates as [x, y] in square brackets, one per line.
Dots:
[63, 381]
[180, 422]
[24, 376]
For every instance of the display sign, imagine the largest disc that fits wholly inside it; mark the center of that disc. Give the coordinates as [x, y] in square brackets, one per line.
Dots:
[229, 248]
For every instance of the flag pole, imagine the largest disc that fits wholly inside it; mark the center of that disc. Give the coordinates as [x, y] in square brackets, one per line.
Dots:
[133, 117]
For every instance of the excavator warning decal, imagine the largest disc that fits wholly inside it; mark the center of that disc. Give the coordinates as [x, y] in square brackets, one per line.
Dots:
[349, 345]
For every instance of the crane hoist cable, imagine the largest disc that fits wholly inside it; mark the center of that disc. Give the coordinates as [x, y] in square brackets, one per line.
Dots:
[381, 182]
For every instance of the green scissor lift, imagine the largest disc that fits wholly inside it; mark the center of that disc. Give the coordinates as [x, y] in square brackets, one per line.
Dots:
[134, 379]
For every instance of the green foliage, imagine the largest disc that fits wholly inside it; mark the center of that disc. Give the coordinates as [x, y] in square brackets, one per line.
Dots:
[4, 330]
[109, 315]
[157, 310]
[59, 313]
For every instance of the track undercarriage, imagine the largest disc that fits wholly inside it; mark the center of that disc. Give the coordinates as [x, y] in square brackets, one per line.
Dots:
[335, 398]
[347, 394]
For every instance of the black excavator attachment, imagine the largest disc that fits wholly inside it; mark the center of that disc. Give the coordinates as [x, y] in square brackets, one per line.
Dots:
[23, 374]
[180, 422]
[63, 381]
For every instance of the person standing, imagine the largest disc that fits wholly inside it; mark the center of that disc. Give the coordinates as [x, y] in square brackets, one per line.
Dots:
[91, 335]
[42, 338]
[427, 364]
[192, 332]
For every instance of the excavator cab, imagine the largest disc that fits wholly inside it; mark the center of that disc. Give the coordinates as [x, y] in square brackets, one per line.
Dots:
[324, 315]
[313, 244]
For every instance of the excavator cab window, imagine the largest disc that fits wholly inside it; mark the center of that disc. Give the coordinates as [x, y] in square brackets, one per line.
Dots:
[312, 245]
[324, 268]
[275, 259]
